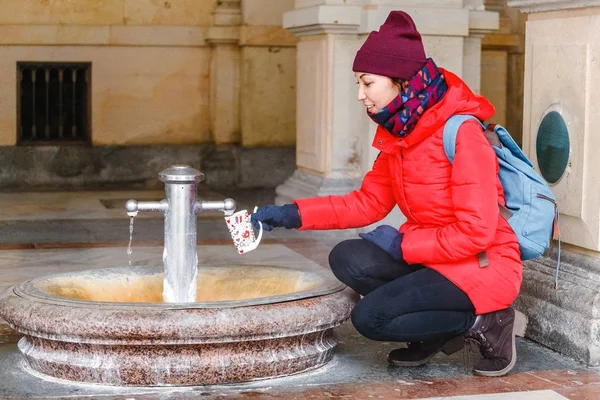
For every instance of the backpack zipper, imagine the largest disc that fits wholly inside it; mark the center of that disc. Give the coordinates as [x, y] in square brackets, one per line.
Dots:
[541, 196]
[555, 228]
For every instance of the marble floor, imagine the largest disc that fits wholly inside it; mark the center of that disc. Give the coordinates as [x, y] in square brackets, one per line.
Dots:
[49, 233]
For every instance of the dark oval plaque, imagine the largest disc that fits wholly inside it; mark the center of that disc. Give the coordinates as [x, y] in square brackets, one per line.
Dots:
[552, 147]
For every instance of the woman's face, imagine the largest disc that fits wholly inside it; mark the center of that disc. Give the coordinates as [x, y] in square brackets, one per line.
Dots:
[375, 91]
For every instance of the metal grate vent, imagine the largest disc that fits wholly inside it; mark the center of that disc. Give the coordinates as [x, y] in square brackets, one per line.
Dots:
[53, 102]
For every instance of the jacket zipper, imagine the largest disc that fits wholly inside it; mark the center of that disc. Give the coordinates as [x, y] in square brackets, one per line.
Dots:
[402, 186]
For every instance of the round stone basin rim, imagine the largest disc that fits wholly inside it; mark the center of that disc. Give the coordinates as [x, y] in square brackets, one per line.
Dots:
[132, 346]
[312, 283]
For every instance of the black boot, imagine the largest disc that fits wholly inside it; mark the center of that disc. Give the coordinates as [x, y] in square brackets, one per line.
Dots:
[419, 353]
[494, 334]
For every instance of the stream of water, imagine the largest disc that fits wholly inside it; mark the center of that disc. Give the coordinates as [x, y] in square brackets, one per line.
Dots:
[129, 250]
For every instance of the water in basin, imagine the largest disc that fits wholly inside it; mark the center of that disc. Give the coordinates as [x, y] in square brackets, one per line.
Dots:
[214, 284]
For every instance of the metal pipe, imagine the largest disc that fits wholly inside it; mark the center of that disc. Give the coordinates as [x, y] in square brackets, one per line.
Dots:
[180, 207]
[133, 206]
[227, 206]
[180, 257]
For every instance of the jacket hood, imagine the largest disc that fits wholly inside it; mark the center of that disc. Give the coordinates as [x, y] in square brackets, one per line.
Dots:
[459, 99]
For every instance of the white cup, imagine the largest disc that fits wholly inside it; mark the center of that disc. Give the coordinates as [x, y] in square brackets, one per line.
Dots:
[242, 233]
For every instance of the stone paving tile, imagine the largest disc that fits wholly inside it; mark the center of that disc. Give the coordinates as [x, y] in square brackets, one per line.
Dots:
[533, 395]
[580, 393]
[505, 388]
[511, 387]
[8, 335]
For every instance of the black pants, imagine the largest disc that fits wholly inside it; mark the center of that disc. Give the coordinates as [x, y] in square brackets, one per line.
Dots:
[402, 303]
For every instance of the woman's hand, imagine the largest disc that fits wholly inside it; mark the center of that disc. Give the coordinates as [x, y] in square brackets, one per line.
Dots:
[387, 238]
[286, 216]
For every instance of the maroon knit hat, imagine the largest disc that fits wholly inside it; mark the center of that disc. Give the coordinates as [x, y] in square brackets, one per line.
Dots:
[395, 51]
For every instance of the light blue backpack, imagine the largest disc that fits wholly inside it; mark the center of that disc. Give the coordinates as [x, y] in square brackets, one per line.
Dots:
[530, 205]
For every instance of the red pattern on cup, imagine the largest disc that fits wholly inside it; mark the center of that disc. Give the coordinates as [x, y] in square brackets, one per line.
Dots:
[240, 228]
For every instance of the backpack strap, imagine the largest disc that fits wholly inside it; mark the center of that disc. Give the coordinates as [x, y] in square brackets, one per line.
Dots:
[449, 138]
[451, 131]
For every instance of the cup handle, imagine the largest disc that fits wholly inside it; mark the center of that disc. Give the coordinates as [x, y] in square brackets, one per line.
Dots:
[260, 232]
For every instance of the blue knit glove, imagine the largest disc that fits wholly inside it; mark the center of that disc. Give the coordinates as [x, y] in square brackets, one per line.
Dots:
[286, 216]
[388, 238]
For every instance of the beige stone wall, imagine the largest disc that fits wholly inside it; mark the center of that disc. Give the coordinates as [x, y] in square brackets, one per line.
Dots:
[107, 12]
[153, 68]
[150, 64]
[494, 64]
[268, 81]
[145, 95]
[268, 97]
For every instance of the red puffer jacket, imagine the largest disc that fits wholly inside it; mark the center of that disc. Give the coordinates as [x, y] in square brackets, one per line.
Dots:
[451, 210]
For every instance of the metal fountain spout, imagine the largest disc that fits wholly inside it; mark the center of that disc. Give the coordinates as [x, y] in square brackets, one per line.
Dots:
[180, 207]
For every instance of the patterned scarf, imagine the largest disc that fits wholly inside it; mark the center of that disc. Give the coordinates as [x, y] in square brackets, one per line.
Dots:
[421, 92]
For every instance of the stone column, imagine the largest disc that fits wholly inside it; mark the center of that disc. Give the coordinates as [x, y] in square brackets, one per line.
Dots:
[333, 131]
[224, 36]
[328, 120]
[560, 120]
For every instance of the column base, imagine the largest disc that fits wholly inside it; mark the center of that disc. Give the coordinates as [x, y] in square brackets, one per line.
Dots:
[303, 184]
[565, 319]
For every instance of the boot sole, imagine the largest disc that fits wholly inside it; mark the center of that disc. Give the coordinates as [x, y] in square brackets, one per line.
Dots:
[452, 346]
[518, 330]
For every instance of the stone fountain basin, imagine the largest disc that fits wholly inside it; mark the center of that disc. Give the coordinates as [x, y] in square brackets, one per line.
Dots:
[110, 326]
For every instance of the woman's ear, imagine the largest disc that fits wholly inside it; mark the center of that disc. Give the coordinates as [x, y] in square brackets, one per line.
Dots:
[399, 83]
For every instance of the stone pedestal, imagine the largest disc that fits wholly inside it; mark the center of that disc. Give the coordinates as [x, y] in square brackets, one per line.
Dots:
[333, 131]
[561, 74]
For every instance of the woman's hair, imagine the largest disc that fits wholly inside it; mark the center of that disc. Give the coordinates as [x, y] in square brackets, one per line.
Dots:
[398, 82]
